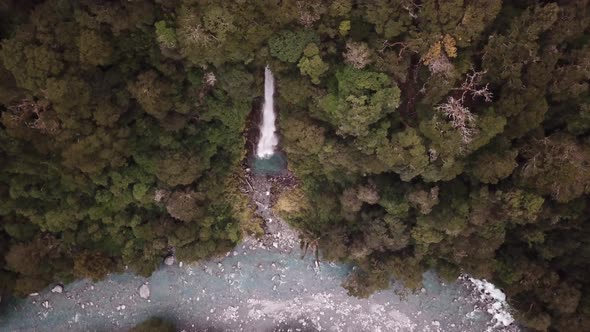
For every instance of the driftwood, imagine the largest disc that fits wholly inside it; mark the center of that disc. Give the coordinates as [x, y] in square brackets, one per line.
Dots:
[248, 182]
[305, 245]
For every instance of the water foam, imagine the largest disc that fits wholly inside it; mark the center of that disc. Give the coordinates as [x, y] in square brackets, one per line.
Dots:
[268, 138]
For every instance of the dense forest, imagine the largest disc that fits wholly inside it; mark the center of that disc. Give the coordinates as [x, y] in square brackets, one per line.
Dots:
[449, 135]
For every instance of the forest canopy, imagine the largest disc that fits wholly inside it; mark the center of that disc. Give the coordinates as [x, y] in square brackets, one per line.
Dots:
[426, 134]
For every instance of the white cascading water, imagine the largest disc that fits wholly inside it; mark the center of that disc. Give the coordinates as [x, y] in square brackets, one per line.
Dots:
[268, 139]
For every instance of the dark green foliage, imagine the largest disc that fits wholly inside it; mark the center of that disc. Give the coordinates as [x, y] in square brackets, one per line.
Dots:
[362, 98]
[112, 152]
[154, 324]
[288, 45]
[426, 134]
[507, 204]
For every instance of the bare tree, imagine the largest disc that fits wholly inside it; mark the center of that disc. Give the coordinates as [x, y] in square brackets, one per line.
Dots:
[35, 115]
[198, 35]
[357, 55]
[471, 85]
[192, 31]
[455, 110]
[441, 65]
[209, 79]
[309, 12]
[403, 46]
[461, 118]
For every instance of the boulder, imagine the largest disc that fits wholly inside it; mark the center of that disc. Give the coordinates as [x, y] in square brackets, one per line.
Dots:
[144, 291]
[169, 260]
[57, 289]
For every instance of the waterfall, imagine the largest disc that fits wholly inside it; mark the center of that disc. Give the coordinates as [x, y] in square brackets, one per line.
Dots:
[268, 139]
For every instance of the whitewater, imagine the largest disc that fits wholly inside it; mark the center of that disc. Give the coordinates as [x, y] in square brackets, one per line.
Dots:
[268, 138]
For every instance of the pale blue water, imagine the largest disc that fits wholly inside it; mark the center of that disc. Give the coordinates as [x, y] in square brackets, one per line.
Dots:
[273, 165]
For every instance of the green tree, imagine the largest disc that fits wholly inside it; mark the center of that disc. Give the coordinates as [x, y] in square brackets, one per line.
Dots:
[288, 45]
[362, 99]
[311, 63]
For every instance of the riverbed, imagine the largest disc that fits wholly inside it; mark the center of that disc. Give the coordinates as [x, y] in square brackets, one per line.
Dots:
[262, 285]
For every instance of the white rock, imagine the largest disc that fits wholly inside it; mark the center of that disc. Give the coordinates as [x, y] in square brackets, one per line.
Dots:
[57, 289]
[34, 294]
[169, 260]
[144, 291]
[46, 304]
